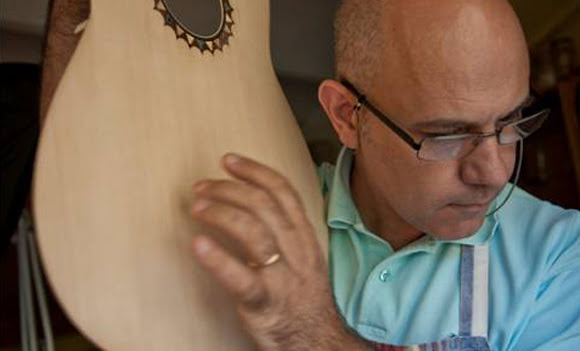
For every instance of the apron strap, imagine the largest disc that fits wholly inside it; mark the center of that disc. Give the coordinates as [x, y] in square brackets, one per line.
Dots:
[480, 291]
[473, 308]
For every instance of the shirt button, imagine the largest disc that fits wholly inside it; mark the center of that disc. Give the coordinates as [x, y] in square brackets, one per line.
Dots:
[385, 275]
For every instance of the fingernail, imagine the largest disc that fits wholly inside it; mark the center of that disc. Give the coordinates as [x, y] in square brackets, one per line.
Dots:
[200, 205]
[200, 185]
[201, 246]
[231, 159]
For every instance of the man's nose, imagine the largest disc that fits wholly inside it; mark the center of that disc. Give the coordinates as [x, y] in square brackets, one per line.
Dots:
[489, 164]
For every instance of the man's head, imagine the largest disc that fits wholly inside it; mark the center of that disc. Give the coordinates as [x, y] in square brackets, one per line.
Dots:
[422, 63]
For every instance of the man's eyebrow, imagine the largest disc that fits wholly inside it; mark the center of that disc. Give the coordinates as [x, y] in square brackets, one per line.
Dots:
[457, 123]
[443, 123]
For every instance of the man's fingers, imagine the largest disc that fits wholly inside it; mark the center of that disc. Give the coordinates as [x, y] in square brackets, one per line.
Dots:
[251, 198]
[266, 178]
[258, 202]
[238, 226]
[239, 280]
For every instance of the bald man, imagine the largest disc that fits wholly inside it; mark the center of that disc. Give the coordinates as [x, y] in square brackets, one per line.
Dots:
[431, 246]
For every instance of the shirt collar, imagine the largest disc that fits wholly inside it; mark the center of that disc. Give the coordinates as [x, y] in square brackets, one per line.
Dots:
[342, 212]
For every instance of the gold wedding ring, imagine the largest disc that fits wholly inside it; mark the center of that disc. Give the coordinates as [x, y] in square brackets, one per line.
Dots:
[270, 261]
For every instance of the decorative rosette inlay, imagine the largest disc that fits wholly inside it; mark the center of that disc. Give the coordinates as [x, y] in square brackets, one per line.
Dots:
[213, 42]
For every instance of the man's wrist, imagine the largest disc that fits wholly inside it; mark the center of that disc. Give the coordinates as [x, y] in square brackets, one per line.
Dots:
[342, 338]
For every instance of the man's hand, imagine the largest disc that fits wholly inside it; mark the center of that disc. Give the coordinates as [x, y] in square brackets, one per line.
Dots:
[285, 305]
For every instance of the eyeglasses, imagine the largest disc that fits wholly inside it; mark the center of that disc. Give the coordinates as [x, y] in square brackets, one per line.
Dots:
[455, 146]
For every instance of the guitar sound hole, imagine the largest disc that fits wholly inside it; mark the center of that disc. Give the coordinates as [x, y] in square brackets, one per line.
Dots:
[200, 17]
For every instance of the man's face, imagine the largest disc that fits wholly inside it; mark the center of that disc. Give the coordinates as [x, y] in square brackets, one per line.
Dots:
[468, 75]
[447, 199]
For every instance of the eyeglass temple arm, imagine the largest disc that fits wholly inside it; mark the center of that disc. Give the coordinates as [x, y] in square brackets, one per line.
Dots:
[362, 100]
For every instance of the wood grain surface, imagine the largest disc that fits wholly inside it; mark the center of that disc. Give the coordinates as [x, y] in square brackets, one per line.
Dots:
[136, 119]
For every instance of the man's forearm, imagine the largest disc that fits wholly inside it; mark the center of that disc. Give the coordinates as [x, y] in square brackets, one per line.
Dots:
[61, 42]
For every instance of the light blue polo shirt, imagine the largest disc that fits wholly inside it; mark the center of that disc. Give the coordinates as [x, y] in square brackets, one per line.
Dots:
[411, 296]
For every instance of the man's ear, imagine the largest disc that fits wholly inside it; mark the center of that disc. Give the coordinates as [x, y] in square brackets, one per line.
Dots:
[338, 103]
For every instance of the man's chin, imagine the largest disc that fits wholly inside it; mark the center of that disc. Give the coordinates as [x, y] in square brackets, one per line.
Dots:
[458, 228]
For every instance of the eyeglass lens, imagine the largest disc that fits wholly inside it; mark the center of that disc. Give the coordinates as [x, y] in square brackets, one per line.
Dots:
[456, 146]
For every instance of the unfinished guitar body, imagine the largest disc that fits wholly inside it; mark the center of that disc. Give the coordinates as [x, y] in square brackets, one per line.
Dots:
[143, 110]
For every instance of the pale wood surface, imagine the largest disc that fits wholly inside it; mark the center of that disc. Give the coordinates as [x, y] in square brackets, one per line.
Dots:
[137, 117]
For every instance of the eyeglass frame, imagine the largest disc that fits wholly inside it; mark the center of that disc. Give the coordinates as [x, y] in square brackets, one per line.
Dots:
[362, 101]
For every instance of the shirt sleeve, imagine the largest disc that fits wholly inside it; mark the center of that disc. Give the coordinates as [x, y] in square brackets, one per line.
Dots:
[554, 322]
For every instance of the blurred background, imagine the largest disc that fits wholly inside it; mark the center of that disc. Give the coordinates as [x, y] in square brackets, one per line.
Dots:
[301, 45]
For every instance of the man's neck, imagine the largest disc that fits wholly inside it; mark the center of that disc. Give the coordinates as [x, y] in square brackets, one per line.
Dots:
[377, 214]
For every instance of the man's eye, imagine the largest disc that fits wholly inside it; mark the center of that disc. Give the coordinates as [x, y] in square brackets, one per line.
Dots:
[433, 135]
[440, 134]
